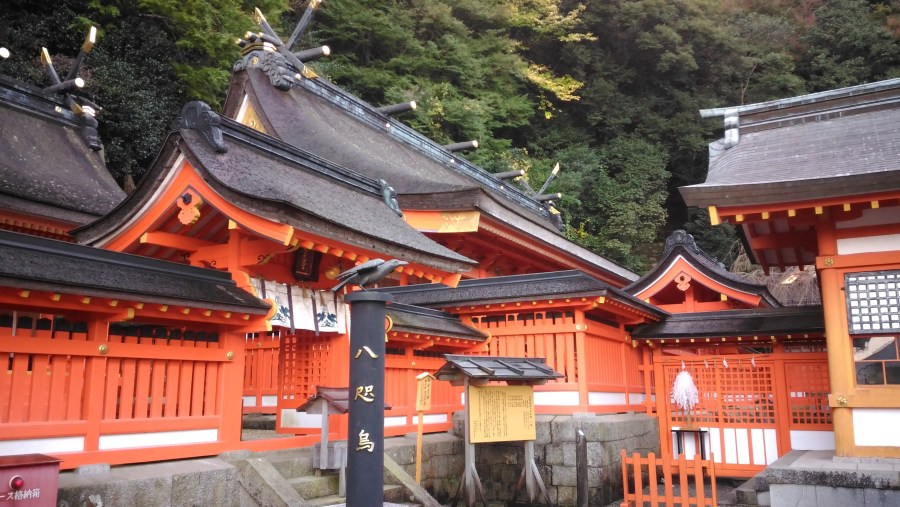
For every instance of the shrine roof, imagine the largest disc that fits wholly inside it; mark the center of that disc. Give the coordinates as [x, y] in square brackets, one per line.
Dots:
[496, 368]
[755, 321]
[570, 284]
[275, 180]
[682, 244]
[823, 145]
[416, 319]
[321, 117]
[37, 263]
[46, 166]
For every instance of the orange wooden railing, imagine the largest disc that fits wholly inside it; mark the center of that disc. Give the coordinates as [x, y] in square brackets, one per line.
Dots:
[260, 373]
[100, 396]
[400, 394]
[677, 477]
[597, 361]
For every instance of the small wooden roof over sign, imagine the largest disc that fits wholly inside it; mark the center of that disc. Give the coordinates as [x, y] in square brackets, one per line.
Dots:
[483, 369]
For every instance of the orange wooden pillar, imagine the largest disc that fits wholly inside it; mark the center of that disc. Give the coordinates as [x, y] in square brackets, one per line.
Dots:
[95, 382]
[840, 352]
[231, 385]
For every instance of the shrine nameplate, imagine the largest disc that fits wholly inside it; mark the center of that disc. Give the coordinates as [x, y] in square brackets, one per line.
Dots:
[501, 413]
[423, 391]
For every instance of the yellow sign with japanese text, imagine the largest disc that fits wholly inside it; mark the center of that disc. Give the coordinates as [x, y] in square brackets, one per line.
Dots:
[423, 391]
[501, 413]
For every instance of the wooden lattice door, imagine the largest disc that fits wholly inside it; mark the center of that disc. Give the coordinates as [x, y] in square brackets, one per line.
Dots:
[304, 362]
[736, 417]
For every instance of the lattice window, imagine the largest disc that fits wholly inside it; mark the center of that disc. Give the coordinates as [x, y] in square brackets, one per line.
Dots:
[706, 411]
[740, 394]
[808, 386]
[306, 361]
[747, 397]
[877, 360]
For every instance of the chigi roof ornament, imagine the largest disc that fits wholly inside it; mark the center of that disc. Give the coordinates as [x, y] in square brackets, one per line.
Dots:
[81, 106]
[266, 50]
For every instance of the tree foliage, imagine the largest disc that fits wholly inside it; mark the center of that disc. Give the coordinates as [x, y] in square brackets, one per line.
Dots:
[610, 90]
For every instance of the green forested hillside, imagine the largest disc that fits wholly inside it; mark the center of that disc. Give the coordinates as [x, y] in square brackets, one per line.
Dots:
[609, 89]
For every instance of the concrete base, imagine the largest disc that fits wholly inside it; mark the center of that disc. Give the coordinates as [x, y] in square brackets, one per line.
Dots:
[173, 483]
[817, 478]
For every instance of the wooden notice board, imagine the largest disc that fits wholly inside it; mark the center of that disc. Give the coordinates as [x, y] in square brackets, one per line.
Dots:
[501, 413]
[423, 391]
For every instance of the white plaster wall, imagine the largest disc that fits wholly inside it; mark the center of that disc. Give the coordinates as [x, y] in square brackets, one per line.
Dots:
[812, 440]
[41, 445]
[156, 439]
[559, 398]
[290, 418]
[876, 426]
[884, 243]
[597, 398]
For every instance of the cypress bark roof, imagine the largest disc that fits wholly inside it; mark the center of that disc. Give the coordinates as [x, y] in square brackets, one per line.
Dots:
[756, 321]
[500, 289]
[416, 319]
[42, 264]
[46, 167]
[679, 243]
[318, 116]
[275, 180]
[829, 144]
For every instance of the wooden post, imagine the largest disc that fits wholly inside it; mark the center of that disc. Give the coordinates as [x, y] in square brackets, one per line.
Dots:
[581, 479]
[419, 449]
[423, 403]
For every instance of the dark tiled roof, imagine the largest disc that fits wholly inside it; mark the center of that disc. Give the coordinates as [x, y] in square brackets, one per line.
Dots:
[42, 264]
[496, 368]
[275, 180]
[499, 289]
[756, 321]
[839, 143]
[323, 118]
[680, 243]
[416, 319]
[45, 164]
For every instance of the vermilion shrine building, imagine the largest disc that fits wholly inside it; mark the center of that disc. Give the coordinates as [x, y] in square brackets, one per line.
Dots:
[204, 294]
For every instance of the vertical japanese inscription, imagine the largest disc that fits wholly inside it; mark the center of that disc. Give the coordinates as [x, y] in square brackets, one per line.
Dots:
[366, 393]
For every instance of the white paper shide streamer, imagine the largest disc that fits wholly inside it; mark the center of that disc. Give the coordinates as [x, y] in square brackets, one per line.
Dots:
[685, 394]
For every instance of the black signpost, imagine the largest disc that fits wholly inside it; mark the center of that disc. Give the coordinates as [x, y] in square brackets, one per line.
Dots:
[365, 436]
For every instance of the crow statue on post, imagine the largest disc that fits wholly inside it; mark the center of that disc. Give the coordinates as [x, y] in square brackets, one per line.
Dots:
[367, 273]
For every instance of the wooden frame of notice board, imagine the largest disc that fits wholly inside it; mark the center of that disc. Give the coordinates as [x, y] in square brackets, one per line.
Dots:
[498, 413]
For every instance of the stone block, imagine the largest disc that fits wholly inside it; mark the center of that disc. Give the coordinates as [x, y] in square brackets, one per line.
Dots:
[839, 497]
[599, 430]
[403, 455]
[566, 495]
[543, 434]
[593, 476]
[563, 476]
[99, 468]
[790, 495]
[562, 429]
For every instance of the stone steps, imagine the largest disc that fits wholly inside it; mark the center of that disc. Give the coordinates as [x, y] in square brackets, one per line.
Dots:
[311, 486]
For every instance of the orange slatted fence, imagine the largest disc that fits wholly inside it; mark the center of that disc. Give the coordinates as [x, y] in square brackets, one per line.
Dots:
[400, 393]
[602, 371]
[683, 482]
[91, 395]
[261, 373]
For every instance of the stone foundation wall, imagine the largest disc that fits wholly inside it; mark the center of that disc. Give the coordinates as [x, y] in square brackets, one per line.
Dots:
[499, 465]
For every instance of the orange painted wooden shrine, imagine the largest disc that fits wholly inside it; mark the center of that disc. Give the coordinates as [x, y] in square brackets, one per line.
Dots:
[814, 180]
[760, 368]
[576, 322]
